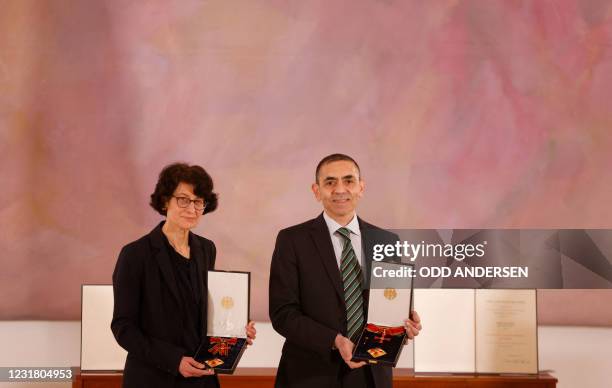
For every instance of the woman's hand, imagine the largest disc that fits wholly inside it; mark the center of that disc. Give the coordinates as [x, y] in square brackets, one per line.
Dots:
[191, 368]
[251, 332]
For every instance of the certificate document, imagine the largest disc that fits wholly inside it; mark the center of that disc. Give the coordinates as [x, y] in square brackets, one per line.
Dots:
[506, 335]
[99, 349]
[476, 331]
[446, 343]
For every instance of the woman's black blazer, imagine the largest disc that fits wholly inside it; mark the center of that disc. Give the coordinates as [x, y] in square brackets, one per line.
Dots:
[147, 308]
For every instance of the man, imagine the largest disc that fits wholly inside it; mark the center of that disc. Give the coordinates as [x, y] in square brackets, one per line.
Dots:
[318, 297]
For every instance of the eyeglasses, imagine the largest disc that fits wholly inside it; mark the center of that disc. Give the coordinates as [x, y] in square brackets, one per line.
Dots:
[183, 202]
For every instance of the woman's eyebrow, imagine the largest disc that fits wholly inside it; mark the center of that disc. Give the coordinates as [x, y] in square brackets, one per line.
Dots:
[187, 195]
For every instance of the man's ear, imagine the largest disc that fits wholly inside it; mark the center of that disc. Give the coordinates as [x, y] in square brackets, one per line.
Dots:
[315, 191]
[362, 187]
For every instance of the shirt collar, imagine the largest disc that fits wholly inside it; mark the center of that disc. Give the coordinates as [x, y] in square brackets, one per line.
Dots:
[333, 226]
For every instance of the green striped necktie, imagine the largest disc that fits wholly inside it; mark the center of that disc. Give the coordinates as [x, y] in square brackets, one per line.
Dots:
[351, 278]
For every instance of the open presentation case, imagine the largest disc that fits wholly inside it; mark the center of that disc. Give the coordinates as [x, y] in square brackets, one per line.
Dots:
[390, 303]
[228, 314]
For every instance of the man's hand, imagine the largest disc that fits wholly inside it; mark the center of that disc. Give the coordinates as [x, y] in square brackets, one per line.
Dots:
[345, 347]
[191, 368]
[413, 326]
[251, 332]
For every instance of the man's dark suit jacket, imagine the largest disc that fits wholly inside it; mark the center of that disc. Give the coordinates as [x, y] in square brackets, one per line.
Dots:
[146, 316]
[307, 303]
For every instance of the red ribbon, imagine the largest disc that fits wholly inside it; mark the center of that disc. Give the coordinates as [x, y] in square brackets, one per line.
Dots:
[384, 331]
[222, 346]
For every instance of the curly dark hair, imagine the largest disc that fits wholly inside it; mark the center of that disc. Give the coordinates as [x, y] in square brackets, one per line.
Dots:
[175, 173]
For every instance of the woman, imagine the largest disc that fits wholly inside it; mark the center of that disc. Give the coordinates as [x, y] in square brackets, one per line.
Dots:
[160, 287]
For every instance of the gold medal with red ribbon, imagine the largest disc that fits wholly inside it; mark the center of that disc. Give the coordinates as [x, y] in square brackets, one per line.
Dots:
[222, 346]
[384, 331]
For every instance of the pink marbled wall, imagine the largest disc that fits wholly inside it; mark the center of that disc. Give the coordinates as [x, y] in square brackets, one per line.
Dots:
[461, 113]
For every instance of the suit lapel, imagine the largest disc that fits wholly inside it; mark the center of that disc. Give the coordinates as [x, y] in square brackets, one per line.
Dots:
[163, 260]
[198, 254]
[367, 242]
[368, 245]
[322, 239]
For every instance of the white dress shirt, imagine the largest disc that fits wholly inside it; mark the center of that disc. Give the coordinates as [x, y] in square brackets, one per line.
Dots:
[338, 240]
